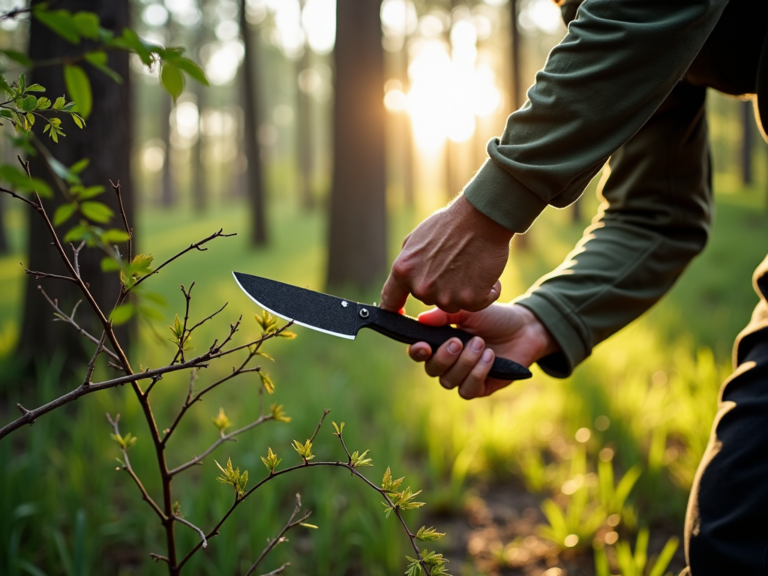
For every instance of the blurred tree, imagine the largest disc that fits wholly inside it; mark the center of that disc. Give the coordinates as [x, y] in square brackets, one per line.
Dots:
[167, 184]
[305, 132]
[4, 249]
[255, 173]
[107, 143]
[358, 218]
[747, 138]
[199, 199]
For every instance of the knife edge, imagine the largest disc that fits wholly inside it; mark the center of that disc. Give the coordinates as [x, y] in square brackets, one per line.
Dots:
[297, 322]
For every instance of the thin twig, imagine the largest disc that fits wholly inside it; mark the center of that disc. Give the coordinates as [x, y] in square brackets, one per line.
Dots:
[40, 275]
[319, 424]
[223, 438]
[19, 197]
[277, 571]
[70, 319]
[131, 378]
[126, 465]
[188, 523]
[76, 256]
[292, 523]
[195, 246]
[128, 230]
[92, 363]
[159, 558]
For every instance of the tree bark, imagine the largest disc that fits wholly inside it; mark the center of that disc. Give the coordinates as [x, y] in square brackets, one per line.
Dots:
[106, 141]
[250, 98]
[358, 220]
[747, 138]
[4, 248]
[199, 197]
[304, 138]
[167, 183]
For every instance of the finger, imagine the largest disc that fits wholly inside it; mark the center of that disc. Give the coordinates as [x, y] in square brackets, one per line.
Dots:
[493, 385]
[474, 384]
[490, 298]
[467, 360]
[393, 294]
[437, 317]
[445, 356]
[420, 351]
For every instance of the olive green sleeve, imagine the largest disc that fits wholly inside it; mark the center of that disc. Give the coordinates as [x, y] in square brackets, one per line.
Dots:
[617, 64]
[654, 219]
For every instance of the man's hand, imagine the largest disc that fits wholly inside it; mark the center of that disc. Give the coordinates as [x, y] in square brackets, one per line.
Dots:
[452, 260]
[508, 330]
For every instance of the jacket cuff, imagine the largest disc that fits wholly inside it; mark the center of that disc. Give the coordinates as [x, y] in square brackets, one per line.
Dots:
[502, 198]
[565, 328]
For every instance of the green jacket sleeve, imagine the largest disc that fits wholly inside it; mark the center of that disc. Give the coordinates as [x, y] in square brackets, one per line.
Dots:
[653, 220]
[617, 64]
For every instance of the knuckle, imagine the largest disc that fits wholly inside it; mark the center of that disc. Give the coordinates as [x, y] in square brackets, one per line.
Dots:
[402, 267]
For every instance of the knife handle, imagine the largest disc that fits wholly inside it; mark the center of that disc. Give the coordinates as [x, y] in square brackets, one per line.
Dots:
[409, 331]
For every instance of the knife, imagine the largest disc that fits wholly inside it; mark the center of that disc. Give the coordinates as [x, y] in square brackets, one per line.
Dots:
[344, 318]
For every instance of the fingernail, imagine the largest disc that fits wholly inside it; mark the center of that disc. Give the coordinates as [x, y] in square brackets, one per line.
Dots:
[421, 353]
[454, 347]
[487, 356]
[476, 344]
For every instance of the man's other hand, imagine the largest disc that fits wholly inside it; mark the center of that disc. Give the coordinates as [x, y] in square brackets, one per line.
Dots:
[452, 260]
[506, 330]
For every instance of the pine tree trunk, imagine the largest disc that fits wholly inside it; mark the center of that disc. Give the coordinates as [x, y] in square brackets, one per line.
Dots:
[747, 123]
[358, 219]
[106, 141]
[199, 197]
[4, 248]
[304, 140]
[250, 101]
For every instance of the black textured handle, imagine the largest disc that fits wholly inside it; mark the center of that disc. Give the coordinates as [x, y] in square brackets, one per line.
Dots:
[408, 330]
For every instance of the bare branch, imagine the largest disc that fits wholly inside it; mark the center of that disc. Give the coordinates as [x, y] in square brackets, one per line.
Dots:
[128, 230]
[40, 275]
[32, 203]
[127, 467]
[292, 523]
[219, 442]
[76, 256]
[70, 319]
[278, 571]
[195, 528]
[92, 363]
[319, 424]
[196, 246]
[159, 558]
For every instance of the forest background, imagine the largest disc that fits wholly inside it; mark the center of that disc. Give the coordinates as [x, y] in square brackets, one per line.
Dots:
[255, 153]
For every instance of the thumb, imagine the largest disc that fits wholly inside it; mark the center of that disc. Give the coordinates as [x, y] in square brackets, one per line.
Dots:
[437, 317]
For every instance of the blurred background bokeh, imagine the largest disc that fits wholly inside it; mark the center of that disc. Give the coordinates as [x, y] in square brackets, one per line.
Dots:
[445, 76]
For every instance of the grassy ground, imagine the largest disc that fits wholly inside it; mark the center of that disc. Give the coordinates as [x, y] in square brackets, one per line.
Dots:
[645, 398]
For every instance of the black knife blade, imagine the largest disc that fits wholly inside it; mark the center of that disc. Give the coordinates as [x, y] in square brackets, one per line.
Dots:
[344, 318]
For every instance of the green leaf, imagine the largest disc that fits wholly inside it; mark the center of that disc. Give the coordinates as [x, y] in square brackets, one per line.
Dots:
[97, 212]
[172, 80]
[61, 22]
[23, 183]
[60, 103]
[43, 103]
[64, 213]
[22, 83]
[29, 103]
[109, 264]
[192, 69]
[114, 236]
[87, 24]
[79, 166]
[131, 41]
[98, 59]
[122, 314]
[35, 88]
[5, 86]
[79, 232]
[429, 534]
[266, 381]
[141, 264]
[78, 120]
[79, 88]
[62, 171]
[83, 193]
[6, 113]
[18, 57]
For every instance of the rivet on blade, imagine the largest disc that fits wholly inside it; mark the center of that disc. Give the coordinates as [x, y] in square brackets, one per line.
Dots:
[363, 313]
[344, 303]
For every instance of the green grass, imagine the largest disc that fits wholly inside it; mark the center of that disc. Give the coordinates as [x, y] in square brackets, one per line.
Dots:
[656, 382]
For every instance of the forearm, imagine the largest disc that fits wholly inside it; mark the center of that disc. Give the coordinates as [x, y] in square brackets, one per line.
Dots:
[617, 64]
[653, 221]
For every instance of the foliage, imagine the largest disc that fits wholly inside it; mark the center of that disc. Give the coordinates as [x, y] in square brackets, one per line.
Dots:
[637, 563]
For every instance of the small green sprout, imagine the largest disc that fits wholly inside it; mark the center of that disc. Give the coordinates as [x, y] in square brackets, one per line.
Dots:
[221, 421]
[276, 411]
[233, 477]
[304, 450]
[271, 461]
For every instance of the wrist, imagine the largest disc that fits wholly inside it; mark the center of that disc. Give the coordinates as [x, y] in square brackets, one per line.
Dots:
[541, 339]
[472, 219]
